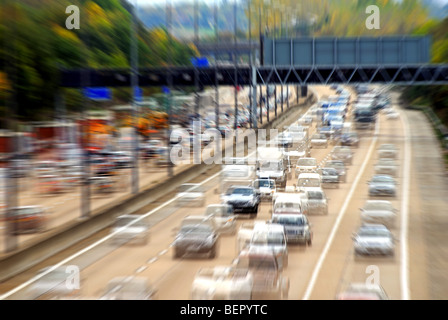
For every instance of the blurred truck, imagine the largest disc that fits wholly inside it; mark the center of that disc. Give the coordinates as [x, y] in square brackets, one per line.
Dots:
[272, 164]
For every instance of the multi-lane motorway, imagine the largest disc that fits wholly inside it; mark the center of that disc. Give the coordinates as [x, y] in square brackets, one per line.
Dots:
[320, 271]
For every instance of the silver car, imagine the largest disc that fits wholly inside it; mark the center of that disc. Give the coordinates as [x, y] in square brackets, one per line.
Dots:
[316, 200]
[382, 185]
[319, 140]
[374, 239]
[330, 177]
[306, 165]
[297, 227]
[387, 166]
[342, 153]
[387, 150]
[379, 211]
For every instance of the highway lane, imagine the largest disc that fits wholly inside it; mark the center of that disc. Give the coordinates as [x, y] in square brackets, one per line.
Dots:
[173, 277]
[149, 258]
[322, 91]
[66, 207]
[340, 267]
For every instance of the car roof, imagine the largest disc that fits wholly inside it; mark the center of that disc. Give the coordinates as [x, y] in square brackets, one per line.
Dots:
[370, 226]
[383, 176]
[378, 201]
[309, 175]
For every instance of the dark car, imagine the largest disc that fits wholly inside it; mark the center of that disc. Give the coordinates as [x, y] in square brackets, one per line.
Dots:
[350, 139]
[340, 167]
[330, 177]
[243, 199]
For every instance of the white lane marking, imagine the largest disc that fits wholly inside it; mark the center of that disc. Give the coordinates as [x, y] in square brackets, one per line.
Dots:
[404, 274]
[102, 240]
[341, 214]
[152, 260]
[141, 269]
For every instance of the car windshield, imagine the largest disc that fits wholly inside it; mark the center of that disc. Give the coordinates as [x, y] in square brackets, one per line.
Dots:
[373, 232]
[243, 191]
[349, 135]
[385, 162]
[306, 162]
[271, 165]
[341, 150]
[286, 205]
[290, 220]
[258, 263]
[309, 182]
[387, 147]
[196, 228]
[329, 172]
[265, 183]
[190, 188]
[336, 164]
[377, 206]
[315, 195]
[382, 179]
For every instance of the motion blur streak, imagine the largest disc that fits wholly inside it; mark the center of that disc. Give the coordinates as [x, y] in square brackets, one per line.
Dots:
[405, 292]
[323, 255]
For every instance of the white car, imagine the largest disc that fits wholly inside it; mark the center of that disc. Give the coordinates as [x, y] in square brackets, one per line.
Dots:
[222, 283]
[316, 200]
[305, 181]
[374, 239]
[387, 166]
[266, 188]
[128, 229]
[272, 236]
[387, 150]
[306, 165]
[343, 153]
[191, 194]
[319, 140]
[379, 212]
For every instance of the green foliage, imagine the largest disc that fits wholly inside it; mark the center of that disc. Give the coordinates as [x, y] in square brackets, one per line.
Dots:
[35, 44]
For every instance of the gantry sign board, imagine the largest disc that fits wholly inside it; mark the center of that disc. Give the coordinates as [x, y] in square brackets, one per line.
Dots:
[396, 50]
